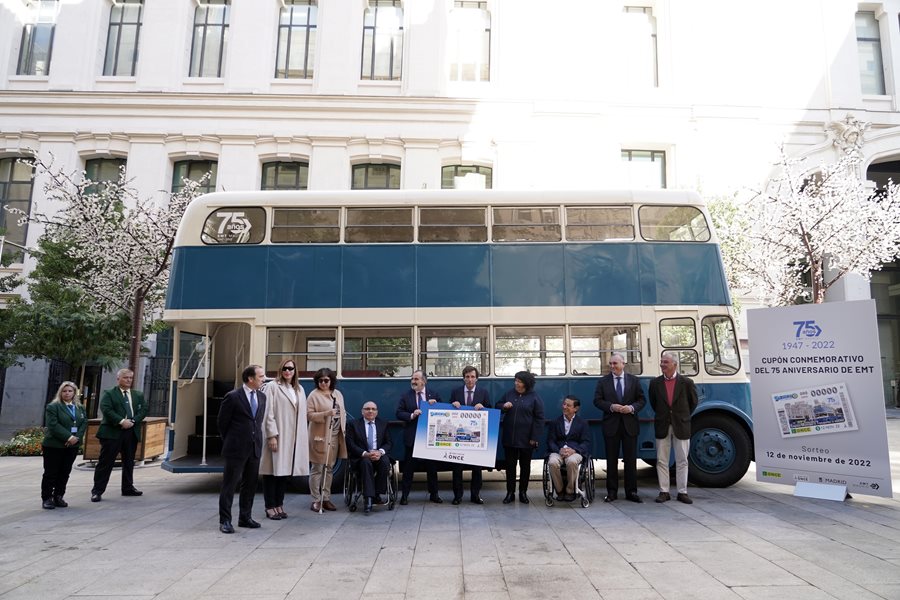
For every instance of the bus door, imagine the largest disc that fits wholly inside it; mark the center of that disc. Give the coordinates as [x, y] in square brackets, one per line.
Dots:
[678, 331]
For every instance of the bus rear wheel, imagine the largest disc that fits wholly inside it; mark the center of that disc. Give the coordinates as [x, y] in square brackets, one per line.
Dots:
[720, 451]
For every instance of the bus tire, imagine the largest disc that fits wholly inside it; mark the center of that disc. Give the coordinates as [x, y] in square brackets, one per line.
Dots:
[720, 451]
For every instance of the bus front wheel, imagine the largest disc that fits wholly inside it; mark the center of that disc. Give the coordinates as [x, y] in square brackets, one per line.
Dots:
[720, 451]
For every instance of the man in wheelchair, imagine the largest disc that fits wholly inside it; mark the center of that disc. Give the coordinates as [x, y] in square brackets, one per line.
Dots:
[368, 444]
[568, 440]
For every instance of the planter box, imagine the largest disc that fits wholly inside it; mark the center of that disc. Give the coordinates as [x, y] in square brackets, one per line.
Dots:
[152, 444]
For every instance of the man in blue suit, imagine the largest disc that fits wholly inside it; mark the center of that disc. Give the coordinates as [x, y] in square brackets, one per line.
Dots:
[468, 397]
[240, 421]
[413, 403]
[569, 441]
[620, 397]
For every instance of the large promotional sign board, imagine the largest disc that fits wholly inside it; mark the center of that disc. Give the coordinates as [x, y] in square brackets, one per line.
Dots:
[818, 402]
[458, 435]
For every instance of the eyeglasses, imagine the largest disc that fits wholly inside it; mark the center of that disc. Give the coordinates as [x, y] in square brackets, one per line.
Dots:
[324, 380]
[287, 368]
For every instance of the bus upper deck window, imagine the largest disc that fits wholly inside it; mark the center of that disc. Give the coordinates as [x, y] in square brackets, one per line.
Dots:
[438, 225]
[599, 223]
[378, 225]
[526, 224]
[673, 224]
[235, 225]
[306, 225]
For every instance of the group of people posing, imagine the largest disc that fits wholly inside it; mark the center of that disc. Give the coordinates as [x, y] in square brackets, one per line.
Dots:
[278, 431]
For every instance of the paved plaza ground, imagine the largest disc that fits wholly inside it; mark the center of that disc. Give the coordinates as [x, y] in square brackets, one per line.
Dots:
[753, 540]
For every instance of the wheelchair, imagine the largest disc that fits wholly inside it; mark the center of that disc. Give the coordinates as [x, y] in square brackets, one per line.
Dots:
[353, 489]
[584, 487]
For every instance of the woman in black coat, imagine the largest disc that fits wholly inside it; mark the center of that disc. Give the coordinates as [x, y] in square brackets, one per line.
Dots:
[523, 423]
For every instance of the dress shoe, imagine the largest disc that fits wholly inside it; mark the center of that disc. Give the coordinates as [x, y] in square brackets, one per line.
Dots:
[95, 497]
[248, 523]
[132, 492]
[523, 498]
[58, 501]
[48, 504]
[226, 527]
[404, 500]
[663, 497]
[328, 505]
[368, 508]
[314, 507]
[456, 501]
[510, 498]
[634, 498]
[435, 498]
[611, 498]
[477, 500]
[684, 498]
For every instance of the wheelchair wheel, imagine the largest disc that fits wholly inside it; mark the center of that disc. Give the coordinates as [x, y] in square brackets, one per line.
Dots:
[351, 479]
[586, 474]
[393, 485]
[547, 484]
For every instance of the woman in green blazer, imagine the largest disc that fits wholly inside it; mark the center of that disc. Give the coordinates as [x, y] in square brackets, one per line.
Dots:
[64, 424]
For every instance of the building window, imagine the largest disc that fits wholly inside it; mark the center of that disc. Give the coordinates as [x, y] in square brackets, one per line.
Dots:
[37, 38]
[868, 44]
[195, 170]
[645, 169]
[641, 50]
[467, 177]
[100, 171]
[296, 40]
[285, 176]
[382, 40]
[122, 38]
[376, 177]
[15, 193]
[470, 41]
[210, 38]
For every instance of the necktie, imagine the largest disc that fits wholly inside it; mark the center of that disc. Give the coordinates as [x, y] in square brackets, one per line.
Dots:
[71, 408]
[253, 404]
[371, 435]
[619, 391]
[421, 401]
[128, 411]
[469, 398]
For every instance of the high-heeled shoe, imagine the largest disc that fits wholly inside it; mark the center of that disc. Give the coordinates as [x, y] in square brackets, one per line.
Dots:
[523, 498]
[510, 497]
[281, 513]
[272, 513]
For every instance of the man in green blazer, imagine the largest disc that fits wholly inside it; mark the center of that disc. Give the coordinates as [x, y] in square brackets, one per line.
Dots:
[119, 432]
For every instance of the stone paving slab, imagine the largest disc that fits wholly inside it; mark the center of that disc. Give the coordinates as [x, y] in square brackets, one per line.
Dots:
[752, 541]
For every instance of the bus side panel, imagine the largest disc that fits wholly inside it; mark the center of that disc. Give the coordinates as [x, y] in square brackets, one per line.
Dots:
[676, 274]
[378, 276]
[453, 275]
[527, 275]
[304, 276]
[602, 275]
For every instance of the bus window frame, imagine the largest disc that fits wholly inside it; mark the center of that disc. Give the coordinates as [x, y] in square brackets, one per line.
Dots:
[645, 237]
[717, 346]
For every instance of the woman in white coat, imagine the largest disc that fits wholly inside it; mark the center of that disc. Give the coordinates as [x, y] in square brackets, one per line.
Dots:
[286, 453]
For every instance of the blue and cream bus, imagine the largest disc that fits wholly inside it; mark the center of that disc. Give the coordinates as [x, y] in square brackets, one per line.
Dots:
[375, 284]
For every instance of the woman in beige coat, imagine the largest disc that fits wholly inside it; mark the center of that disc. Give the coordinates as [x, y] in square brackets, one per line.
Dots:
[286, 453]
[327, 427]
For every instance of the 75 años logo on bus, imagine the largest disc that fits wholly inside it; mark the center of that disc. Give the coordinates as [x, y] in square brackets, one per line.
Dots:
[234, 228]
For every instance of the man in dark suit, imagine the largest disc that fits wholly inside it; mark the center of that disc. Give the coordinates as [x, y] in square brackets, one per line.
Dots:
[469, 396]
[620, 397]
[569, 441]
[673, 398]
[240, 423]
[119, 433]
[413, 403]
[368, 443]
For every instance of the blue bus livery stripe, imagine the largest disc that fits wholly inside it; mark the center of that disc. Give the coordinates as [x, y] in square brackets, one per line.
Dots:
[445, 275]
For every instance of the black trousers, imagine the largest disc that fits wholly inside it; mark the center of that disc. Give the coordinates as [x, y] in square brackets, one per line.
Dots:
[374, 475]
[243, 472]
[410, 465]
[522, 456]
[475, 488]
[125, 444]
[57, 467]
[628, 444]
[274, 487]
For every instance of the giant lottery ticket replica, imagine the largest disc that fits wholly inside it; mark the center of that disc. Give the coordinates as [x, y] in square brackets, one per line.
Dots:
[818, 399]
[458, 435]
